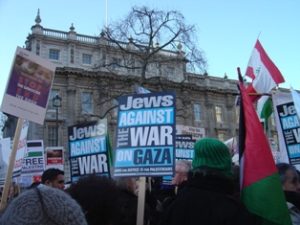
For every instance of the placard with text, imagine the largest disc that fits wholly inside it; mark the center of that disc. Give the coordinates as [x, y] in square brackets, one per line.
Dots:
[145, 137]
[288, 128]
[88, 149]
[28, 86]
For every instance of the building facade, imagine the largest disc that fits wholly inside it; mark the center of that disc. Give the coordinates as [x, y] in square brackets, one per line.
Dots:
[88, 91]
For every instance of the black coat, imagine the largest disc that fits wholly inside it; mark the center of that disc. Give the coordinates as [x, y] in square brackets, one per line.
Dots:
[127, 202]
[207, 200]
[293, 197]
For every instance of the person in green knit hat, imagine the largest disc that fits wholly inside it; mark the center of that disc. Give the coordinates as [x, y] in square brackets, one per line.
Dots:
[207, 198]
[212, 155]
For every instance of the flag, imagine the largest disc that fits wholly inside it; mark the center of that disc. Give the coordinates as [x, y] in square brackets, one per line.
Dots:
[264, 109]
[261, 190]
[265, 75]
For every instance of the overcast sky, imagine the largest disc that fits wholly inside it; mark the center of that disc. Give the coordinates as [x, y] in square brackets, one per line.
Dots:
[227, 30]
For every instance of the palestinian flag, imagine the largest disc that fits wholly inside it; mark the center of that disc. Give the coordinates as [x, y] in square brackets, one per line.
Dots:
[261, 190]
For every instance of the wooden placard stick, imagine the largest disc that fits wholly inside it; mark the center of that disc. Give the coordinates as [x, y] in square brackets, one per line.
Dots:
[11, 164]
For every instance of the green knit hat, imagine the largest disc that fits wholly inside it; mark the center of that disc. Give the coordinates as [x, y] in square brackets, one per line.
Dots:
[212, 153]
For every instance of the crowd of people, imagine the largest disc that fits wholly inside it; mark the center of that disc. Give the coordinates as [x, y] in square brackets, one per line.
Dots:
[203, 191]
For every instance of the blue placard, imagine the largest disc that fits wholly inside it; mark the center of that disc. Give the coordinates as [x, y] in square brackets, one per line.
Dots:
[88, 149]
[290, 125]
[145, 135]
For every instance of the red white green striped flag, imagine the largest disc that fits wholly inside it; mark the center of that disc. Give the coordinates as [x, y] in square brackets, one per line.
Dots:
[264, 109]
[264, 73]
[261, 189]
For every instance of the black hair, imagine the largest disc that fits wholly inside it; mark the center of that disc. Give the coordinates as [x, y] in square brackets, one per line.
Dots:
[282, 168]
[98, 197]
[34, 184]
[51, 174]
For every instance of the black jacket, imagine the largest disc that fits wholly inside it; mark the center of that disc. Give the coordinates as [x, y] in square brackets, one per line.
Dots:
[207, 200]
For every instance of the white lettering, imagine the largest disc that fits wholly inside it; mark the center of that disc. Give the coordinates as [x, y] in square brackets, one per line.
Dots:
[147, 102]
[93, 164]
[146, 136]
[155, 116]
[296, 133]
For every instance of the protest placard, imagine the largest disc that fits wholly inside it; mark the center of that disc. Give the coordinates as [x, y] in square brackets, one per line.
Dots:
[145, 135]
[54, 158]
[288, 128]
[88, 149]
[34, 162]
[28, 86]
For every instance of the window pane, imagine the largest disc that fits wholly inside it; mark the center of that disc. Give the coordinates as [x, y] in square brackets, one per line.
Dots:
[116, 63]
[86, 102]
[52, 135]
[37, 50]
[170, 71]
[53, 93]
[54, 54]
[72, 55]
[86, 59]
[219, 116]
[197, 112]
[273, 120]
[221, 136]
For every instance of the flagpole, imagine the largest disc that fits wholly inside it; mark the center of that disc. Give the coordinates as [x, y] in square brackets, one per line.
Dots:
[258, 35]
[106, 17]
[259, 94]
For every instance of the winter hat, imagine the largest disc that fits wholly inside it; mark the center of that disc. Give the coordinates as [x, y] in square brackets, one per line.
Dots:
[214, 154]
[43, 205]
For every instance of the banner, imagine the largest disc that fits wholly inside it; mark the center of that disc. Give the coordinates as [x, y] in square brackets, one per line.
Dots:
[145, 135]
[54, 158]
[34, 163]
[21, 150]
[28, 86]
[5, 150]
[196, 132]
[88, 149]
[288, 127]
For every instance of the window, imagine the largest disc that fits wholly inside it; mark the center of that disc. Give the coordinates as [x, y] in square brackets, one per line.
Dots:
[54, 54]
[37, 50]
[72, 55]
[170, 70]
[86, 102]
[221, 136]
[197, 112]
[53, 93]
[219, 116]
[103, 59]
[273, 120]
[87, 59]
[116, 62]
[52, 135]
[275, 142]
[115, 110]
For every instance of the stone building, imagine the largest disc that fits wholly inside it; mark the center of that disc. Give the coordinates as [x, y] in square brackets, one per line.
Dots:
[88, 91]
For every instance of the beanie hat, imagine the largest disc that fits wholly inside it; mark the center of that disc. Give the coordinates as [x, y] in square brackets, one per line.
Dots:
[43, 205]
[214, 154]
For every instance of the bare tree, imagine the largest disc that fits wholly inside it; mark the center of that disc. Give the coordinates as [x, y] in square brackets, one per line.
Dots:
[147, 38]
[3, 119]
